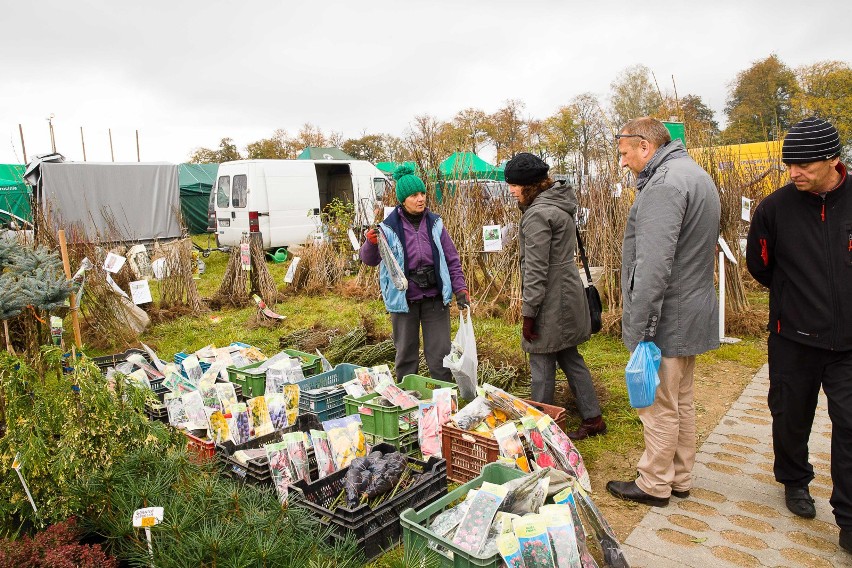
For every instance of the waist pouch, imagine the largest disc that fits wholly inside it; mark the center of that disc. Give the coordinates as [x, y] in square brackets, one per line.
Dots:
[424, 277]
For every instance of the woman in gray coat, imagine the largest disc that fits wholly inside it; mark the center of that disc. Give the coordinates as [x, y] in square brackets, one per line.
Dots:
[555, 309]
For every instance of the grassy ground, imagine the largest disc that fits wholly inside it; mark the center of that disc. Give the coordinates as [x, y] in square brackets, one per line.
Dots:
[720, 374]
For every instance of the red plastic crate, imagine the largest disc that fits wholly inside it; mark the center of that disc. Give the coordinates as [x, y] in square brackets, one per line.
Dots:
[468, 452]
[198, 447]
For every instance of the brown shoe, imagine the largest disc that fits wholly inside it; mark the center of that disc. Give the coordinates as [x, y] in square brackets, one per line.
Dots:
[588, 427]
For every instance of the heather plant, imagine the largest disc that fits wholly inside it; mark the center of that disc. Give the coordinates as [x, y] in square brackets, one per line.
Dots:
[57, 546]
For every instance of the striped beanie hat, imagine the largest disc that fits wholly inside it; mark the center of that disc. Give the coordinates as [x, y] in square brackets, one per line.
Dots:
[810, 140]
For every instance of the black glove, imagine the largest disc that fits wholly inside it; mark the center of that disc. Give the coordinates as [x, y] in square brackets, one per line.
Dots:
[462, 299]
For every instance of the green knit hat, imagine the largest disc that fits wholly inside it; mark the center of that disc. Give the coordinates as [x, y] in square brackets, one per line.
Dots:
[407, 184]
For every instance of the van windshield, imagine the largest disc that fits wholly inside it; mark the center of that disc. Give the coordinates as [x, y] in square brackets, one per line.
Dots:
[223, 192]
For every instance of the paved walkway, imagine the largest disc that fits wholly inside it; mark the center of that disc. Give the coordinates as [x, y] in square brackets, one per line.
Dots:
[735, 515]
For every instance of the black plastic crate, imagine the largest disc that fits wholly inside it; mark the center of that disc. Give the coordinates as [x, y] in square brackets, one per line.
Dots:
[377, 529]
[303, 423]
[256, 470]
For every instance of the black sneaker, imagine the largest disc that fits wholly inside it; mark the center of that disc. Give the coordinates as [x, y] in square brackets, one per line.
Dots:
[799, 501]
[845, 540]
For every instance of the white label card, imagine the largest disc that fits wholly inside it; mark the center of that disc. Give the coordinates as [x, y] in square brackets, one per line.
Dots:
[745, 213]
[353, 239]
[140, 292]
[114, 262]
[492, 238]
[291, 270]
[147, 517]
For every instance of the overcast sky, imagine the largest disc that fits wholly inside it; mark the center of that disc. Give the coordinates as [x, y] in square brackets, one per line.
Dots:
[188, 73]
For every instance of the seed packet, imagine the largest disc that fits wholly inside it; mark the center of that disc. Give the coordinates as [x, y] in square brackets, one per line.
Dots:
[279, 468]
[531, 531]
[567, 457]
[566, 497]
[277, 404]
[219, 429]
[223, 355]
[299, 467]
[542, 455]
[514, 407]
[476, 523]
[227, 396]
[428, 430]
[192, 369]
[172, 375]
[560, 528]
[240, 424]
[284, 372]
[393, 393]
[194, 407]
[139, 379]
[510, 550]
[612, 554]
[174, 407]
[364, 377]
[354, 388]
[209, 394]
[472, 415]
[291, 394]
[261, 423]
[142, 363]
[346, 439]
[322, 453]
[510, 445]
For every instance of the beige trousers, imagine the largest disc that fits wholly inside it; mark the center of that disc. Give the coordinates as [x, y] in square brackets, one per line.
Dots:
[669, 431]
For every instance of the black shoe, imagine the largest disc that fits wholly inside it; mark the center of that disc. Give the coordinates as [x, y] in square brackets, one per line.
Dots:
[799, 501]
[629, 491]
[845, 540]
[680, 494]
[589, 427]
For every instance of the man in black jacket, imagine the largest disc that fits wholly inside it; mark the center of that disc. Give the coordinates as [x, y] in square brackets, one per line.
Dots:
[800, 247]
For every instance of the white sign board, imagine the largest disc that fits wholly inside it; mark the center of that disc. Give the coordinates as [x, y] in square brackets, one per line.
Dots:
[291, 270]
[492, 238]
[353, 239]
[745, 212]
[140, 292]
[147, 517]
[114, 262]
[727, 250]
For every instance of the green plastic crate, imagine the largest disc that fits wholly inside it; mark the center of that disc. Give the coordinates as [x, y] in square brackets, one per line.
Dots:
[407, 443]
[390, 422]
[416, 535]
[255, 385]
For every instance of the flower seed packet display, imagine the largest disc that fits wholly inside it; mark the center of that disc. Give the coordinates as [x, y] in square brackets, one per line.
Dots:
[210, 395]
[240, 423]
[476, 523]
[610, 547]
[192, 368]
[277, 404]
[346, 439]
[227, 396]
[279, 468]
[567, 456]
[531, 531]
[322, 453]
[174, 407]
[194, 407]
[542, 455]
[510, 550]
[510, 445]
[261, 423]
[393, 393]
[173, 377]
[566, 497]
[560, 528]
[300, 469]
[219, 429]
[428, 430]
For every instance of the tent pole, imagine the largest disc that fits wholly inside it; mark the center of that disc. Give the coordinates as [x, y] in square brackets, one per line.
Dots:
[83, 142]
[23, 146]
[138, 159]
[111, 153]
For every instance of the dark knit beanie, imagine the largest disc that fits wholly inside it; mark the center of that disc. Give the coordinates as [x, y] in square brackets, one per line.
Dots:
[810, 140]
[407, 184]
[525, 169]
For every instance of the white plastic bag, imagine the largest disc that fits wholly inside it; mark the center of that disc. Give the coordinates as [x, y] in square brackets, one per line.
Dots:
[462, 360]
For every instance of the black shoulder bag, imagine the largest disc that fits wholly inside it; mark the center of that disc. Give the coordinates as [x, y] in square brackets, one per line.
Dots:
[595, 305]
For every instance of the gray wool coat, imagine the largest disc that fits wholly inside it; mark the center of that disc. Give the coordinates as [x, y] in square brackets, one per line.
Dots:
[550, 283]
[668, 257]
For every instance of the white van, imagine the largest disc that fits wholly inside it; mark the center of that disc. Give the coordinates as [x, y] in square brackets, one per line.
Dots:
[283, 199]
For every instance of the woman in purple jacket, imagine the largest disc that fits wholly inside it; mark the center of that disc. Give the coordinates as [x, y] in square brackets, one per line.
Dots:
[429, 259]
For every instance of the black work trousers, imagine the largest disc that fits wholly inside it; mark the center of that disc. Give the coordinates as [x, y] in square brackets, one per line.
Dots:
[796, 373]
[433, 317]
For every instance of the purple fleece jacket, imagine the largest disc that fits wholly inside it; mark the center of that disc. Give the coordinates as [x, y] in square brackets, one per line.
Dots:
[419, 251]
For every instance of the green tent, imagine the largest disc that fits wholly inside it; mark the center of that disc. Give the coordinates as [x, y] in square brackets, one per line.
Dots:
[313, 153]
[14, 194]
[466, 165]
[196, 182]
[389, 167]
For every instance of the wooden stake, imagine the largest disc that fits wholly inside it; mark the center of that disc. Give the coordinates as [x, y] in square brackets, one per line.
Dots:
[111, 153]
[138, 159]
[83, 142]
[9, 347]
[23, 146]
[66, 264]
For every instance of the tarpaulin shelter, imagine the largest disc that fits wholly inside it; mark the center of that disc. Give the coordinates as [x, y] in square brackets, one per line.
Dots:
[14, 195]
[314, 153]
[196, 182]
[466, 165]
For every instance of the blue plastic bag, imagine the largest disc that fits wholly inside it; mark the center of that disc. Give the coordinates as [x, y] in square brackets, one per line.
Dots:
[641, 374]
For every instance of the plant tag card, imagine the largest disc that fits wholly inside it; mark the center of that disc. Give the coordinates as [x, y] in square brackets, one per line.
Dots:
[245, 256]
[616, 190]
[353, 239]
[492, 238]
[745, 211]
[114, 262]
[147, 517]
[193, 405]
[140, 292]
[291, 270]
[192, 368]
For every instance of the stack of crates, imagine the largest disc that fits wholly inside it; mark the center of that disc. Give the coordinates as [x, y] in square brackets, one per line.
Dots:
[254, 384]
[322, 394]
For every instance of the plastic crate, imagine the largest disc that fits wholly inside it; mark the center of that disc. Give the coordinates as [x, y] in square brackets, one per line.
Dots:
[407, 443]
[328, 413]
[375, 530]
[202, 449]
[468, 452]
[106, 361]
[316, 394]
[303, 424]
[416, 535]
[390, 421]
[256, 471]
[255, 384]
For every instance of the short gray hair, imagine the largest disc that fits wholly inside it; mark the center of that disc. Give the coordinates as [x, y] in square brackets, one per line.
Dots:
[649, 129]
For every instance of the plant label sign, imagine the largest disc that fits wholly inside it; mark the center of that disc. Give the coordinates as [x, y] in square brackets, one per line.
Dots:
[140, 292]
[492, 238]
[147, 517]
[745, 212]
[353, 239]
[114, 262]
[291, 270]
[245, 256]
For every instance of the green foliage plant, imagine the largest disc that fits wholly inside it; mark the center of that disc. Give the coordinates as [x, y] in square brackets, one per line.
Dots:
[63, 425]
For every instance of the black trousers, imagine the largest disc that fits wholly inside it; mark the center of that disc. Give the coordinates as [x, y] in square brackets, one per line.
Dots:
[796, 373]
[433, 317]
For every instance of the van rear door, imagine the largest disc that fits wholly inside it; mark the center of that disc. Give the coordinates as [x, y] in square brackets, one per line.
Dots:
[231, 204]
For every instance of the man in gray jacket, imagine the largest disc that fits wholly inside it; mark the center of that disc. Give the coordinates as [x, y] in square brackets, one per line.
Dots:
[669, 298]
